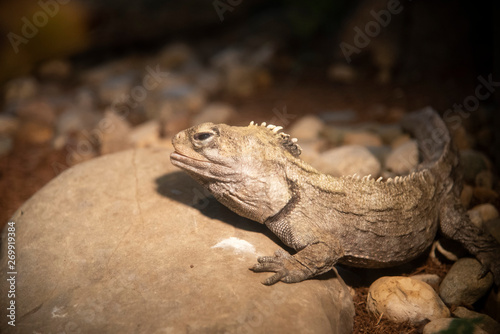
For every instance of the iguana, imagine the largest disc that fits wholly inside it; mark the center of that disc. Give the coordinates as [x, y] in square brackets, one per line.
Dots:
[256, 172]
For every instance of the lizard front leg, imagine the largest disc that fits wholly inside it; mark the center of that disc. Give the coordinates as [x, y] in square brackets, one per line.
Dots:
[314, 259]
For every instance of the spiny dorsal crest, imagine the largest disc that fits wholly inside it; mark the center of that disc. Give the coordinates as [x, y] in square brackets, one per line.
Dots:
[398, 180]
[290, 144]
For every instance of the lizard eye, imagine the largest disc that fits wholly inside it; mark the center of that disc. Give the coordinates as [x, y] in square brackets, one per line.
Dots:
[201, 136]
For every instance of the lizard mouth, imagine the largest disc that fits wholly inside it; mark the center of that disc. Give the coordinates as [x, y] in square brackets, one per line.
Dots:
[178, 156]
[188, 163]
[202, 168]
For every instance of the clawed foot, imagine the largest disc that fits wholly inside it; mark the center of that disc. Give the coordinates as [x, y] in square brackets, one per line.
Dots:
[286, 268]
[489, 264]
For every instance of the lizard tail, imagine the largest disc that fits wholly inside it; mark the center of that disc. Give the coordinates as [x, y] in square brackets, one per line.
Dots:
[436, 150]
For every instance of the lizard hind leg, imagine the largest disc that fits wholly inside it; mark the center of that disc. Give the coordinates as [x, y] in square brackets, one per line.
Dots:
[455, 224]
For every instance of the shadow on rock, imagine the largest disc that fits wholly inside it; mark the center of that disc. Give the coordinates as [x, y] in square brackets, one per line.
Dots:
[182, 188]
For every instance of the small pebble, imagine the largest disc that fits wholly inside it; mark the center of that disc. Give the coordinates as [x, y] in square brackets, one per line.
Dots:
[215, 112]
[466, 195]
[306, 128]
[342, 73]
[400, 140]
[493, 227]
[484, 179]
[338, 116]
[6, 144]
[451, 325]
[486, 211]
[20, 89]
[403, 159]
[8, 125]
[362, 138]
[485, 195]
[347, 160]
[473, 163]
[485, 322]
[431, 279]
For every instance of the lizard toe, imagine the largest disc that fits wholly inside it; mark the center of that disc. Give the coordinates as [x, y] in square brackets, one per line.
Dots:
[275, 278]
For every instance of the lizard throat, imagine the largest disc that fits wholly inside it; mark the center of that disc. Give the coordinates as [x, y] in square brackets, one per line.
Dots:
[278, 223]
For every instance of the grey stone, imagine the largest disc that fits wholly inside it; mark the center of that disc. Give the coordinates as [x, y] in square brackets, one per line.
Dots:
[186, 97]
[6, 145]
[363, 138]
[338, 116]
[493, 226]
[34, 132]
[484, 322]
[400, 140]
[209, 81]
[115, 88]
[57, 69]
[243, 70]
[347, 160]
[126, 243]
[175, 55]
[431, 279]
[403, 158]
[240, 80]
[306, 128]
[484, 195]
[215, 112]
[37, 110]
[473, 163]
[466, 195]
[20, 89]
[311, 150]
[486, 212]
[462, 285]
[450, 325]
[99, 75]
[404, 299]
[484, 179]
[389, 132]
[8, 125]
[343, 73]
[74, 120]
[461, 138]
[380, 152]
[334, 134]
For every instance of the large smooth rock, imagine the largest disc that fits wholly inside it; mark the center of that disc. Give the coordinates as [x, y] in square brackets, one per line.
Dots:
[127, 244]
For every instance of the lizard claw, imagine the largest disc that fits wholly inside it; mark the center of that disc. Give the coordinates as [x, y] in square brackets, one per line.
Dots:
[286, 268]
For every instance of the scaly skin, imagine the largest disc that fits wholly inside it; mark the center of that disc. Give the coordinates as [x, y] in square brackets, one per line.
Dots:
[255, 171]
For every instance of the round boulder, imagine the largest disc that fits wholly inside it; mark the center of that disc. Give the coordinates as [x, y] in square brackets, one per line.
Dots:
[126, 243]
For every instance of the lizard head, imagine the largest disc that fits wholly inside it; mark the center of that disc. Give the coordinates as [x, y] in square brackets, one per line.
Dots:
[243, 167]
